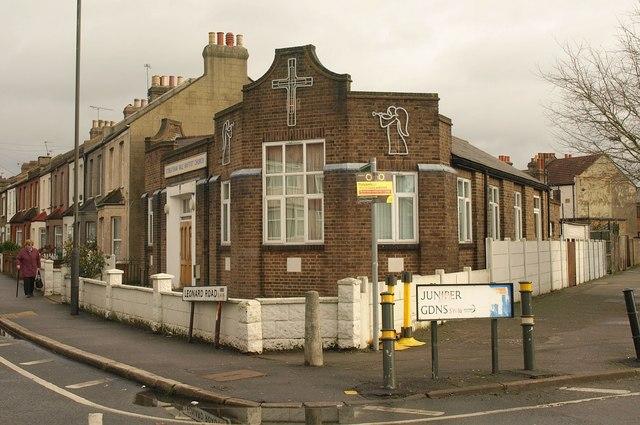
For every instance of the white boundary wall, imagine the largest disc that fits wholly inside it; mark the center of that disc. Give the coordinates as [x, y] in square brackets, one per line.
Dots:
[255, 325]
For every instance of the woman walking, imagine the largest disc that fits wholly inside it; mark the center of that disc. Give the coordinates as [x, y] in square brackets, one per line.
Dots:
[28, 265]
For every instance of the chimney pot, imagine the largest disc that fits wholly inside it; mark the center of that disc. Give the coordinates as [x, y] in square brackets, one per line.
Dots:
[136, 103]
[112, 123]
[94, 123]
[180, 79]
[164, 81]
[155, 80]
[172, 80]
[229, 39]
[239, 40]
[220, 36]
[143, 103]
[100, 123]
[567, 155]
[212, 38]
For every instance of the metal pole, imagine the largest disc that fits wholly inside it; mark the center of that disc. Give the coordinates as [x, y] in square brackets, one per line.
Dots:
[75, 255]
[632, 313]
[388, 341]
[191, 314]
[494, 346]
[434, 349]
[526, 290]
[407, 338]
[216, 336]
[374, 269]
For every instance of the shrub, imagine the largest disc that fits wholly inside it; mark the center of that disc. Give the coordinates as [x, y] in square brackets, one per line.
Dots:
[9, 246]
[91, 258]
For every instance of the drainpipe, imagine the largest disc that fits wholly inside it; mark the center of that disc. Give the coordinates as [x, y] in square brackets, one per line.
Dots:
[205, 223]
[549, 214]
[486, 203]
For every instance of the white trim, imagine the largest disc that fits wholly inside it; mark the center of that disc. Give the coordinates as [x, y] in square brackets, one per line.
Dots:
[517, 210]
[246, 172]
[395, 211]
[113, 236]
[150, 221]
[537, 217]
[493, 202]
[436, 168]
[345, 166]
[468, 211]
[225, 204]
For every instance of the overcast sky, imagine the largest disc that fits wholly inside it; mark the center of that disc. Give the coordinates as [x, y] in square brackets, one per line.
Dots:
[481, 57]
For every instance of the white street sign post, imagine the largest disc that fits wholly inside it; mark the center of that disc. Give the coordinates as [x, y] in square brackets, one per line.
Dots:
[195, 294]
[467, 301]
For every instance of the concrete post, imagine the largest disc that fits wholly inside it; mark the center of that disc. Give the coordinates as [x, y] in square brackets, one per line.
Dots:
[312, 339]
[112, 277]
[349, 321]
[161, 282]
[47, 277]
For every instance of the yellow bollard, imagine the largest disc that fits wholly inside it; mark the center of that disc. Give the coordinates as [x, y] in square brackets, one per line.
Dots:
[391, 282]
[407, 338]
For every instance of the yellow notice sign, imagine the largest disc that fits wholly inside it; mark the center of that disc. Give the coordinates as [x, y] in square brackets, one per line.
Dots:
[374, 185]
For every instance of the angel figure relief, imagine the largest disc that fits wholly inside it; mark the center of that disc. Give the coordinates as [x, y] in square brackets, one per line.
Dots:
[396, 121]
[227, 134]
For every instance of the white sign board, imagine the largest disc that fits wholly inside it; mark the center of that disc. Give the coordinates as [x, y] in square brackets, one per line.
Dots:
[470, 301]
[204, 293]
[186, 165]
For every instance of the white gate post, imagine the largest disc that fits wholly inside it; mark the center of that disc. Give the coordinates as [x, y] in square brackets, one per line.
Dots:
[161, 283]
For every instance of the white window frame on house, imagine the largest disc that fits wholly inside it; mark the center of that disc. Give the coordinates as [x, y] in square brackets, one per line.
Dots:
[95, 231]
[58, 241]
[150, 221]
[225, 212]
[517, 212]
[116, 239]
[494, 212]
[465, 232]
[394, 208]
[279, 200]
[43, 237]
[19, 237]
[537, 217]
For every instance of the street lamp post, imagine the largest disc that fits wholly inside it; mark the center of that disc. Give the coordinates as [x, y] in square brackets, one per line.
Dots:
[75, 257]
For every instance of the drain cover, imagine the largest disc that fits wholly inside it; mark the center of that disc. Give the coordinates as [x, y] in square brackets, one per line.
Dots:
[234, 375]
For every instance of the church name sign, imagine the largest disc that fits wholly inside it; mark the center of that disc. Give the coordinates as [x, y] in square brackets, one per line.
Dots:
[184, 166]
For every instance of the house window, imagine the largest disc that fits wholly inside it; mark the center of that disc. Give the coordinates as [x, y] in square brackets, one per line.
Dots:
[150, 221]
[464, 210]
[398, 221]
[293, 192]
[90, 231]
[57, 240]
[494, 213]
[19, 237]
[116, 236]
[225, 213]
[537, 218]
[517, 213]
[185, 206]
[98, 190]
[43, 237]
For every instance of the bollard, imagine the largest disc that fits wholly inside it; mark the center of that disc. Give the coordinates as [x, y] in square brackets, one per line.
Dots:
[407, 338]
[312, 339]
[632, 313]
[391, 282]
[526, 293]
[388, 339]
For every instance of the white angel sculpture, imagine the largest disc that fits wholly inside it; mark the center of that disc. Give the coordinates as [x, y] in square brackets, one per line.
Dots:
[227, 133]
[396, 121]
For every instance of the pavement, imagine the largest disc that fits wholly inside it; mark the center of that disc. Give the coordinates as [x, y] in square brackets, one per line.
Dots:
[581, 334]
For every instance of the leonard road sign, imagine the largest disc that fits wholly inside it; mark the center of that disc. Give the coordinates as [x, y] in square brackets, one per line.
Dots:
[469, 301]
[204, 293]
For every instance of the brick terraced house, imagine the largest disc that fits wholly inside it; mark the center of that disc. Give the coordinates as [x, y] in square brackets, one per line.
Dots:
[267, 204]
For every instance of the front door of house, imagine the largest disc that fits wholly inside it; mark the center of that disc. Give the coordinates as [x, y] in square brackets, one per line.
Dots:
[185, 253]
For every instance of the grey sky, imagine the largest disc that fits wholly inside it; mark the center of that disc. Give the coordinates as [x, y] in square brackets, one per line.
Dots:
[480, 56]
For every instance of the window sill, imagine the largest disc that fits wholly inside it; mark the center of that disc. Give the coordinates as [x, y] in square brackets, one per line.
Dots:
[389, 246]
[467, 244]
[224, 247]
[291, 247]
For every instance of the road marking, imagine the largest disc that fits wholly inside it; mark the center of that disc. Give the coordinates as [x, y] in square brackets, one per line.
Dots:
[507, 410]
[87, 384]
[80, 400]
[595, 390]
[95, 418]
[405, 411]
[36, 362]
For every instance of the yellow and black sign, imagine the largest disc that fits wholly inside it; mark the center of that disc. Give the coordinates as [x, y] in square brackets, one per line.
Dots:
[375, 186]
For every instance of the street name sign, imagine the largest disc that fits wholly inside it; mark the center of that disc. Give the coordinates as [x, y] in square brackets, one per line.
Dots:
[204, 293]
[467, 301]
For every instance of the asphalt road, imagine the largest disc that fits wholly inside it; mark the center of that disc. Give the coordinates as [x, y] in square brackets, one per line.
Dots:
[38, 387]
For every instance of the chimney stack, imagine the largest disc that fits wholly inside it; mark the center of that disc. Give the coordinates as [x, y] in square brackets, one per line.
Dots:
[227, 48]
[165, 83]
[506, 159]
[568, 155]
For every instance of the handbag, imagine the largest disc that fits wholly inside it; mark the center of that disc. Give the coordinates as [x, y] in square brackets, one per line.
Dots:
[38, 281]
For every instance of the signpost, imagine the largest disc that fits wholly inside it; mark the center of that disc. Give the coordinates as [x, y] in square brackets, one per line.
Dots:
[195, 294]
[466, 301]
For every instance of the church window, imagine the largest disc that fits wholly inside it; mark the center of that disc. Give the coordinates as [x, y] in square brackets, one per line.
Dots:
[397, 222]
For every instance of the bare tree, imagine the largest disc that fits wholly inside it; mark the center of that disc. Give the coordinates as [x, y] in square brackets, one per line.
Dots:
[598, 110]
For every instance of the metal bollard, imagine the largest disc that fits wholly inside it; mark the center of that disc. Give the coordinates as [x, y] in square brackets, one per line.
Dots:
[526, 293]
[388, 339]
[632, 313]
[407, 338]
[391, 282]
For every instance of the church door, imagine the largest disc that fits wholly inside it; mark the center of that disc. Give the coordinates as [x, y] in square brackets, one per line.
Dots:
[185, 253]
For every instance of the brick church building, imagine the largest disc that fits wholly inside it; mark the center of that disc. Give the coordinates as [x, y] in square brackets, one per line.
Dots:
[267, 204]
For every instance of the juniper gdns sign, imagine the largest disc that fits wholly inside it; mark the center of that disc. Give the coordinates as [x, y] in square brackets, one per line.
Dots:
[467, 301]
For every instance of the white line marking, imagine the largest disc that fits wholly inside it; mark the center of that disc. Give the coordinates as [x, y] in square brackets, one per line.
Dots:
[95, 418]
[6, 344]
[595, 390]
[508, 410]
[81, 400]
[36, 362]
[87, 384]
[405, 411]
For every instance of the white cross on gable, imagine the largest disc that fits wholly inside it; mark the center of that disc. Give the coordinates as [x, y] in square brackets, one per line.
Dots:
[291, 84]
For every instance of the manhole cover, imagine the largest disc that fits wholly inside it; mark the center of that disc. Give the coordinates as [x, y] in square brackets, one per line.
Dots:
[234, 375]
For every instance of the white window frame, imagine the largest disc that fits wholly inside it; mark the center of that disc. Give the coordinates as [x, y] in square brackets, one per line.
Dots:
[57, 233]
[19, 240]
[395, 212]
[494, 208]
[225, 220]
[113, 236]
[283, 197]
[517, 212]
[150, 221]
[86, 231]
[42, 236]
[537, 217]
[468, 211]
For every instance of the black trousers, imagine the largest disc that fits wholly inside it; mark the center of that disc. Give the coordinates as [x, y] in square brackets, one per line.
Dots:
[28, 285]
